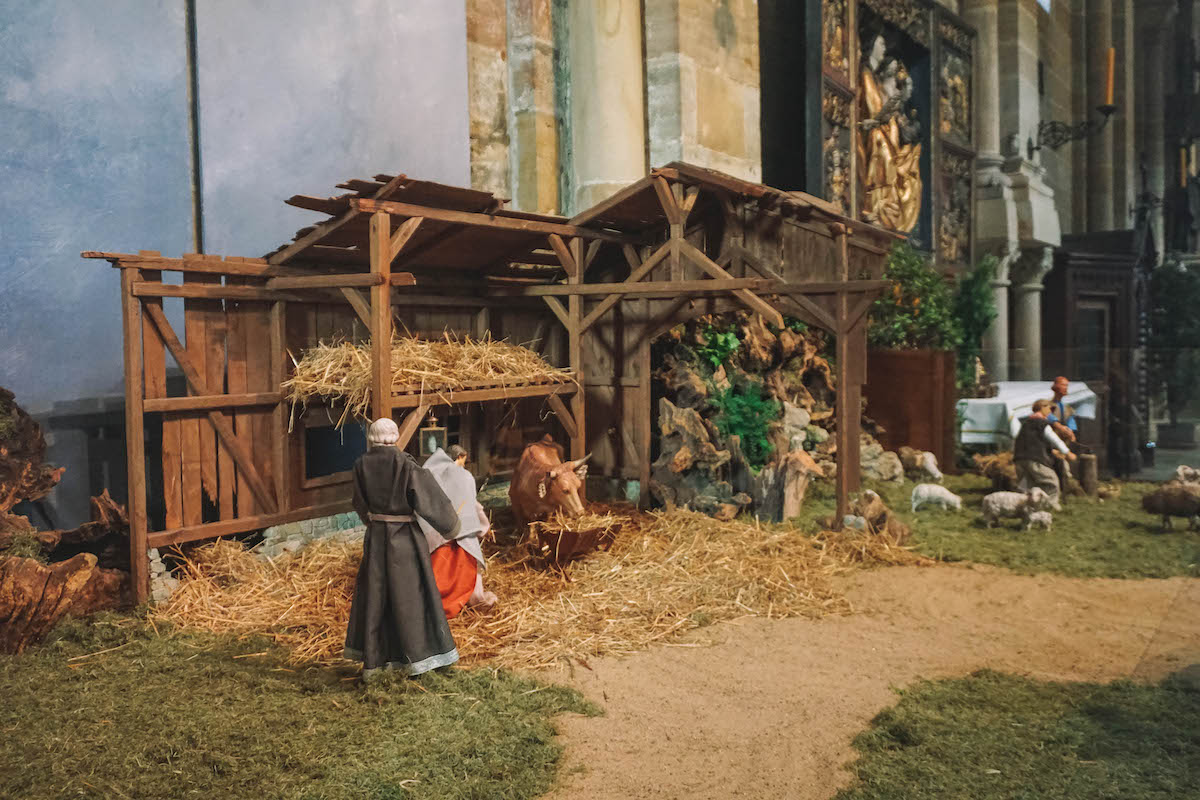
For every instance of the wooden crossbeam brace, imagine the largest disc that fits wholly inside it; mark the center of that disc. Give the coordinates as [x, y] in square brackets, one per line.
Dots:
[564, 415]
[235, 447]
[750, 260]
[857, 313]
[749, 298]
[558, 310]
[823, 317]
[206, 402]
[359, 304]
[408, 428]
[564, 254]
[402, 235]
[639, 271]
[347, 280]
[667, 200]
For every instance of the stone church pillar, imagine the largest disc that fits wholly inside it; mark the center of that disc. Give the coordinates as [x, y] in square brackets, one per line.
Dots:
[995, 342]
[1028, 273]
[1099, 146]
[607, 98]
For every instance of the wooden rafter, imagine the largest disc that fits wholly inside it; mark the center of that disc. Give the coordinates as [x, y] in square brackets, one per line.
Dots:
[234, 446]
[564, 255]
[315, 235]
[753, 301]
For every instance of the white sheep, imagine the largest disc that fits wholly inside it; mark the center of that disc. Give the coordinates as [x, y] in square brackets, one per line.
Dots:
[930, 494]
[999, 505]
[1187, 474]
[1038, 519]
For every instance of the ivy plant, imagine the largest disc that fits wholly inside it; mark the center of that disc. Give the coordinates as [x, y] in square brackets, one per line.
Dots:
[719, 345]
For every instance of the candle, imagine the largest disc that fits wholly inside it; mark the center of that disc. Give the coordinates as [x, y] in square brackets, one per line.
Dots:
[1112, 57]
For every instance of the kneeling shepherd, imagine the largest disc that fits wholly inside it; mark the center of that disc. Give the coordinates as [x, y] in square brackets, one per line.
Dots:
[396, 618]
[458, 560]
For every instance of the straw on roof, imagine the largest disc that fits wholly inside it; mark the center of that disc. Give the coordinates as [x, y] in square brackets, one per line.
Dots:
[342, 370]
[667, 574]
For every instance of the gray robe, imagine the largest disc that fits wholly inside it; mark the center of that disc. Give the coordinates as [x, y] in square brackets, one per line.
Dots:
[459, 486]
[396, 618]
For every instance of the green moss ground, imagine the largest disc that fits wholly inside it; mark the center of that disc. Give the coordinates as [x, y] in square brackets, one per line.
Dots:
[991, 736]
[1089, 539]
[187, 715]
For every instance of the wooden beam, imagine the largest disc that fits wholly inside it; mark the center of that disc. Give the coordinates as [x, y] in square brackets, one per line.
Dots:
[315, 235]
[638, 272]
[206, 402]
[564, 415]
[819, 314]
[450, 397]
[856, 313]
[360, 306]
[558, 310]
[404, 233]
[135, 436]
[205, 291]
[349, 280]
[752, 300]
[564, 255]
[575, 361]
[281, 443]
[381, 316]
[237, 449]
[214, 530]
[701, 285]
[487, 220]
[408, 428]
[667, 200]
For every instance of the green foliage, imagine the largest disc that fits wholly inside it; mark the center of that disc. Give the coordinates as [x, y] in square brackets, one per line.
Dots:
[23, 544]
[190, 715]
[793, 324]
[991, 736]
[718, 345]
[975, 310]
[745, 410]
[1175, 334]
[919, 312]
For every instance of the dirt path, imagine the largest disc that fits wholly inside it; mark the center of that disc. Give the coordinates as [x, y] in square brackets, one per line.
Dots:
[771, 707]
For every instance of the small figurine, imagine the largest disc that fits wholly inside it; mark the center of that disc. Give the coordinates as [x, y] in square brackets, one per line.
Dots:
[396, 617]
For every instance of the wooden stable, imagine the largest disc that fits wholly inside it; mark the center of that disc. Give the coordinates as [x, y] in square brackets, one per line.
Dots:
[591, 292]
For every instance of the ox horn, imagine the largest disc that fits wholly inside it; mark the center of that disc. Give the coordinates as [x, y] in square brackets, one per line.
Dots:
[581, 461]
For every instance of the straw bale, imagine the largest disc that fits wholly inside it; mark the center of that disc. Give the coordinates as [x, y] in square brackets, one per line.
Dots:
[667, 573]
[341, 370]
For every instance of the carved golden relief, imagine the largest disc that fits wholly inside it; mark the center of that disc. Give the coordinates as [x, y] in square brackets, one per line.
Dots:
[955, 35]
[954, 223]
[835, 149]
[833, 24]
[955, 97]
[906, 15]
[888, 140]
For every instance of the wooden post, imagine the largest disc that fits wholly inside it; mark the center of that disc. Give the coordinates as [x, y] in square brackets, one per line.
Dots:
[645, 411]
[135, 438]
[575, 356]
[381, 316]
[282, 471]
[848, 408]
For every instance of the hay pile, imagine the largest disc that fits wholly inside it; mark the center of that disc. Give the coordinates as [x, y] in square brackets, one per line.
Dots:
[342, 369]
[667, 573]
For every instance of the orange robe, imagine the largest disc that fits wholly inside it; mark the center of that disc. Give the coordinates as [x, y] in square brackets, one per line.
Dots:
[455, 571]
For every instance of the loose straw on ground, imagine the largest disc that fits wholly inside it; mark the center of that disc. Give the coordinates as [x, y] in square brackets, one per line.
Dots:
[667, 574]
[343, 369]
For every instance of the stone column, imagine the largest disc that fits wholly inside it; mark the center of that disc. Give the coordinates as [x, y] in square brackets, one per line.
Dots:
[1153, 30]
[1123, 123]
[995, 341]
[983, 16]
[532, 117]
[608, 123]
[1018, 60]
[1100, 146]
[1028, 274]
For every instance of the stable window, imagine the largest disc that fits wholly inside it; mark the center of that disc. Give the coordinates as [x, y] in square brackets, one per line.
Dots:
[330, 452]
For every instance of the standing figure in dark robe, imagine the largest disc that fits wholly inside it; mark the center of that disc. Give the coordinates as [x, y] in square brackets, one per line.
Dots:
[396, 618]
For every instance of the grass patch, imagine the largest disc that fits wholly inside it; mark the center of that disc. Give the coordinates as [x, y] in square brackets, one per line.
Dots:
[1089, 539]
[191, 715]
[999, 736]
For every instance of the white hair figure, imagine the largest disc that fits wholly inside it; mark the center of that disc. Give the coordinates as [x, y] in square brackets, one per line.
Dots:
[382, 431]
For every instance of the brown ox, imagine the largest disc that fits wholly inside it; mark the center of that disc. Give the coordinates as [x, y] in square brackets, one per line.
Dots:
[543, 483]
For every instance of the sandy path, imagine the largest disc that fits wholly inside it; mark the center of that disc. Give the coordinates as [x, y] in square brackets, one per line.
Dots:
[771, 707]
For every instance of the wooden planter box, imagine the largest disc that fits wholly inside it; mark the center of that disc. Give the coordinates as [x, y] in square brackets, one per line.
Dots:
[911, 393]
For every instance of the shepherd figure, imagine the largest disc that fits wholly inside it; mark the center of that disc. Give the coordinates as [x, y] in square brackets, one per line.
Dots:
[458, 560]
[396, 618]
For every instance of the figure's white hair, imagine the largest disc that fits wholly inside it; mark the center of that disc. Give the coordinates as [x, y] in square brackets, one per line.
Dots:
[382, 431]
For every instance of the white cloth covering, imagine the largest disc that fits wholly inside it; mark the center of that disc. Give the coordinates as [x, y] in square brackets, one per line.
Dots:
[995, 420]
[459, 485]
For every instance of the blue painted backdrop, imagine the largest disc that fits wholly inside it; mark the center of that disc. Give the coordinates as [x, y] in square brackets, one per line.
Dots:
[295, 95]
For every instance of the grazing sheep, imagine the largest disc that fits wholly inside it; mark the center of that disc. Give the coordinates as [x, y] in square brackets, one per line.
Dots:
[1187, 474]
[930, 494]
[1038, 519]
[1175, 500]
[999, 505]
[921, 461]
